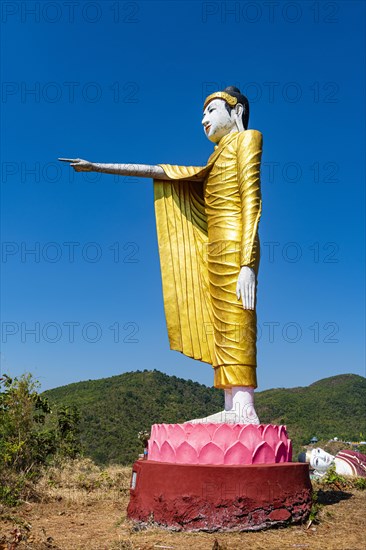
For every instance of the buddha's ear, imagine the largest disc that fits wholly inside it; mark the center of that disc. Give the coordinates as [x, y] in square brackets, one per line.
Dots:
[238, 116]
[239, 109]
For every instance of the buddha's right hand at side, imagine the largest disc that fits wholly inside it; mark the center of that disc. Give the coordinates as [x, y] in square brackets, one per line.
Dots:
[79, 165]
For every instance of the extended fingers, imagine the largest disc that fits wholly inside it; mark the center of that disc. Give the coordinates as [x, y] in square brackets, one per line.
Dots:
[67, 160]
[251, 296]
[248, 296]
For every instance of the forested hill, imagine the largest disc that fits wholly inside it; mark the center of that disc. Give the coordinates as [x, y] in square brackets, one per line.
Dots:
[113, 410]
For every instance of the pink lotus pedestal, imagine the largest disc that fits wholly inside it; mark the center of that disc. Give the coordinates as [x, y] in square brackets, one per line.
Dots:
[219, 477]
[231, 444]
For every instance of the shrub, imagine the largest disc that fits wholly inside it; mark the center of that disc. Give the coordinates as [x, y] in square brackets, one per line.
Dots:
[30, 436]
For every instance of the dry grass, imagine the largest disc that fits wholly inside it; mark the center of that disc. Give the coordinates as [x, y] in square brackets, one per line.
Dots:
[84, 508]
[81, 481]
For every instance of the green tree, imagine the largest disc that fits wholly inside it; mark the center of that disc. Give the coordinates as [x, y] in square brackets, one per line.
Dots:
[22, 415]
[30, 435]
[68, 419]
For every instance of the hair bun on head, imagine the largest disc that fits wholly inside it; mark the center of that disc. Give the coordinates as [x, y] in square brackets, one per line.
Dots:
[232, 89]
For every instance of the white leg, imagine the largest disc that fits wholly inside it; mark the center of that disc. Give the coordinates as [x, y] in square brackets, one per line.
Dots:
[228, 399]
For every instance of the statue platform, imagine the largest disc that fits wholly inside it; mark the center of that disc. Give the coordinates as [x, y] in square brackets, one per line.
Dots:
[219, 477]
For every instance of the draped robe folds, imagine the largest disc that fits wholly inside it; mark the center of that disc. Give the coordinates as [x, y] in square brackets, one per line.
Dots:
[207, 227]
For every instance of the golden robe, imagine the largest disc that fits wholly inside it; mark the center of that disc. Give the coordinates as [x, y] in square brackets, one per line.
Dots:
[207, 226]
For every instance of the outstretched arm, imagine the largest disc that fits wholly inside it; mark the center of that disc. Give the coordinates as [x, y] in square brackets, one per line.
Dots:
[139, 170]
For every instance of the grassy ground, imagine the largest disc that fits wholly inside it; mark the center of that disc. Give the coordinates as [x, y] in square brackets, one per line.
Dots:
[80, 506]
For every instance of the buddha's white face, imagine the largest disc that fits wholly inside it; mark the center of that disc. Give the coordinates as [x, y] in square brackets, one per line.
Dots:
[217, 121]
[320, 460]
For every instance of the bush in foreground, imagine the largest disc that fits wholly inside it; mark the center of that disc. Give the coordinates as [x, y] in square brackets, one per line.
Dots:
[30, 436]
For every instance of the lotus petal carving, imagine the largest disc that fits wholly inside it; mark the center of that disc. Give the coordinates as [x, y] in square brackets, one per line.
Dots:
[186, 454]
[224, 436]
[167, 453]
[211, 453]
[153, 450]
[263, 454]
[281, 452]
[198, 435]
[270, 435]
[238, 454]
[250, 436]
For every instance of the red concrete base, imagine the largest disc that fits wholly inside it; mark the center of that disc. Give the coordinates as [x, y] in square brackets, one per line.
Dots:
[219, 498]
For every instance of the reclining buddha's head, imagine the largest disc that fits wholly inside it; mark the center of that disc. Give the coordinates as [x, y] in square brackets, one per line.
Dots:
[319, 459]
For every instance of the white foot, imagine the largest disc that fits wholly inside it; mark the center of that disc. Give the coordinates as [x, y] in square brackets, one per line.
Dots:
[247, 416]
[239, 408]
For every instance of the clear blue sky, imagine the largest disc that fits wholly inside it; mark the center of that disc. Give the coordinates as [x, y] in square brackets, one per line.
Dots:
[124, 82]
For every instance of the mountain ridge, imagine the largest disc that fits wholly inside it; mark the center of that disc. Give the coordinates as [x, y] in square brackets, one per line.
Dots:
[113, 410]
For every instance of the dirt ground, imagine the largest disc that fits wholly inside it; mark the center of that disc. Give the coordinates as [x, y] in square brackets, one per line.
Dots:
[96, 520]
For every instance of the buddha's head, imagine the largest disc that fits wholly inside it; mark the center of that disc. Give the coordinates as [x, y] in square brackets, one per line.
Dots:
[319, 459]
[225, 112]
